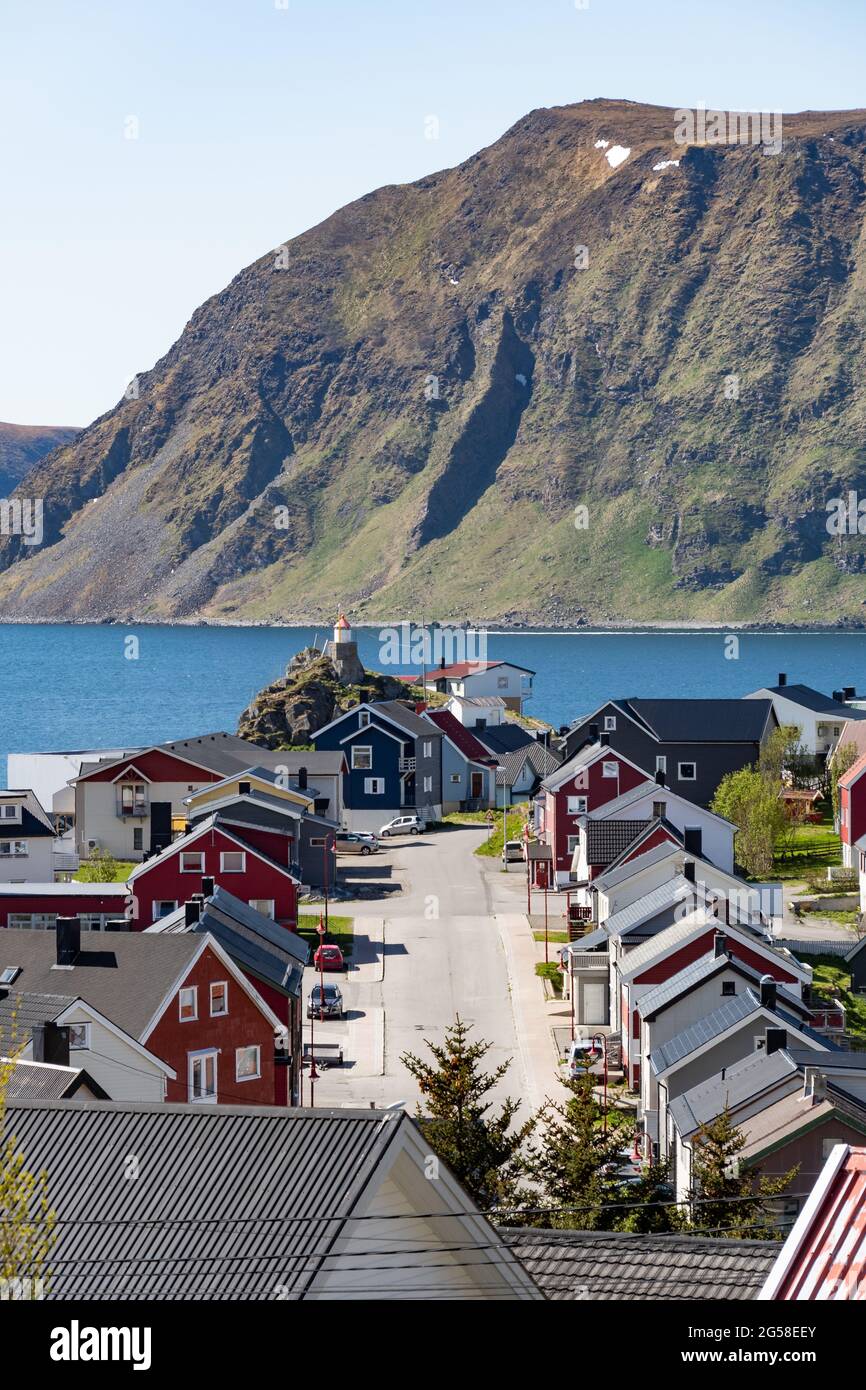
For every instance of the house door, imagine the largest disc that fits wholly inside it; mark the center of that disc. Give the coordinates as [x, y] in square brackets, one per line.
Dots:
[203, 1077]
[594, 1002]
[477, 786]
[160, 825]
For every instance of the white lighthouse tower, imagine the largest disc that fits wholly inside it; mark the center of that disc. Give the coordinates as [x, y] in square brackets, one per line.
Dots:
[343, 651]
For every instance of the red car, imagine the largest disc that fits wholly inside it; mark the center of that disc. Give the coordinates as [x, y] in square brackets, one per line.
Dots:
[329, 958]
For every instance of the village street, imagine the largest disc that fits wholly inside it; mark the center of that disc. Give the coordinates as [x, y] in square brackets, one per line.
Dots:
[454, 940]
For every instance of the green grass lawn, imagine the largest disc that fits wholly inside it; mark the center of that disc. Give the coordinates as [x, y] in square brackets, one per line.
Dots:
[810, 850]
[832, 977]
[340, 933]
[556, 938]
[120, 871]
[552, 973]
[840, 915]
[516, 818]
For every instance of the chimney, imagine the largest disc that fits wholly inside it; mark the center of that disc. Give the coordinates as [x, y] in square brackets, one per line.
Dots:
[693, 840]
[719, 944]
[207, 887]
[850, 692]
[768, 992]
[117, 924]
[441, 663]
[838, 696]
[302, 778]
[689, 870]
[604, 740]
[191, 913]
[245, 788]
[593, 732]
[783, 679]
[51, 1044]
[660, 778]
[814, 1085]
[775, 1039]
[68, 938]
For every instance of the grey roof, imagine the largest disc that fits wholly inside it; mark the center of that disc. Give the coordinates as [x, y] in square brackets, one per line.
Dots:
[540, 759]
[618, 873]
[327, 762]
[22, 1010]
[701, 721]
[254, 942]
[44, 1081]
[673, 893]
[221, 752]
[847, 1061]
[604, 1265]
[405, 719]
[739, 1083]
[663, 940]
[606, 839]
[232, 1202]
[703, 969]
[735, 1009]
[125, 975]
[505, 738]
[816, 701]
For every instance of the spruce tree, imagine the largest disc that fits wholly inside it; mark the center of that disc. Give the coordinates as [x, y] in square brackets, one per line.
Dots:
[573, 1162]
[730, 1200]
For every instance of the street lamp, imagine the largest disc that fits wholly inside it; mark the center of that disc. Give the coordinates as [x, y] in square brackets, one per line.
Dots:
[329, 837]
[600, 1038]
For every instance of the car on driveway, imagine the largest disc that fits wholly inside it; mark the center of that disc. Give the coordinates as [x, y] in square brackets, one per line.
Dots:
[512, 852]
[351, 843]
[329, 957]
[331, 1007]
[583, 1054]
[403, 825]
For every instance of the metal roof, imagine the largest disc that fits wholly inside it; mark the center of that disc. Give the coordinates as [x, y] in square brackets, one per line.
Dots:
[606, 1266]
[702, 969]
[22, 1010]
[701, 721]
[824, 1257]
[740, 1082]
[814, 700]
[230, 1202]
[735, 1009]
[618, 873]
[74, 889]
[253, 941]
[42, 1081]
[673, 893]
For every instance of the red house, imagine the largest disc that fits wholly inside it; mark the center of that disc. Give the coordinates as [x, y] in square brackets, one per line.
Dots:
[852, 810]
[248, 870]
[38, 905]
[593, 777]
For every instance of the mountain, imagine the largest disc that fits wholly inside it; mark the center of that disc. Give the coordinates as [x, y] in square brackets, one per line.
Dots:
[21, 446]
[401, 410]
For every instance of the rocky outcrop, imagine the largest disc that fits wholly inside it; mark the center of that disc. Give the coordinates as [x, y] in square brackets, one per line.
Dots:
[288, 712]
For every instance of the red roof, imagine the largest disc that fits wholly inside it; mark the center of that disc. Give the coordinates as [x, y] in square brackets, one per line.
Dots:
[461, 669]
[343, 621]
[464, 740]
[824, 1257]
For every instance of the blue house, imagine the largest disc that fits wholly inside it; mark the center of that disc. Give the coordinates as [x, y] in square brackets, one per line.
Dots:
[395, 763]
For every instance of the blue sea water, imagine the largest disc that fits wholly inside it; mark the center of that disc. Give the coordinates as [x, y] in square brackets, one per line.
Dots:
[69, 687]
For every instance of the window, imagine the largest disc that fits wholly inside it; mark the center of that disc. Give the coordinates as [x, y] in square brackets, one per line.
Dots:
[573, 842]
[317, 842]
[362, 757]
[576, 805]
[455, 777]
[263, 905]
[374, 786]
[610, 769]
[138, 838]
[9, 811]
[79, 1036]
[428, 784]
[203, 1077]
[233, 861]
[248, 1063]
[188, 1004]
[133, 798]
[729, 987]
[687, 772]
[33, 921]
[363, 719]
[427, 748]
[9, 974]
[219, 998]
[661, 763]
[14, 849]
[610, 723]
[191, 862]
[162, 907]
[501, 682]
[829, 1144]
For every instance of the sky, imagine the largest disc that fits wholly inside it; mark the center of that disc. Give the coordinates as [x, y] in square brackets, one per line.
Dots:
[150, 151]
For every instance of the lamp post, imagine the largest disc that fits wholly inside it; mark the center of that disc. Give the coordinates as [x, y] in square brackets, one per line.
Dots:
[546, 939]
[330, 836]
[599, 1037]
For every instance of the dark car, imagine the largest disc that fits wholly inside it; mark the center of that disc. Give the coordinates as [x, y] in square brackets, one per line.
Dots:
[331, 1007]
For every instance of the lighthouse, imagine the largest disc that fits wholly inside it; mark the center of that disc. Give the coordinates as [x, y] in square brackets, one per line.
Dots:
[343, 651]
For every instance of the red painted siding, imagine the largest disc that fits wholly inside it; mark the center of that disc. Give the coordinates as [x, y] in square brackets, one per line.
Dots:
[163, 881]
[157, 767]
[598, 790]
[271, 842]
[671, 965]
[244, 1025]
[112, 901]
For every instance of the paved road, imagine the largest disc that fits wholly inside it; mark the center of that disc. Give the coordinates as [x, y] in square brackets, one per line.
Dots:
[443, 954]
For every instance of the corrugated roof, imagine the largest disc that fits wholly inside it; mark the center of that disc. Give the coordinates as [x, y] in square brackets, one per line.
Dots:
[742, 1081]
[39, 1081]
[612, 1266]
[735, 1009]
[675, 892]
[666, 940]
[824, 1257]
[231, 1202]
[702, 969]
[253, 941]
[618, 873]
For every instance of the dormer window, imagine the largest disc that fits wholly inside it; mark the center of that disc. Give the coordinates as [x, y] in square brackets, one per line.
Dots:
[363, 719]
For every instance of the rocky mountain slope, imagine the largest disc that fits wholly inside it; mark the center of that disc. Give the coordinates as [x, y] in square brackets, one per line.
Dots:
[22, 446]
[402, 409]
[290, 710]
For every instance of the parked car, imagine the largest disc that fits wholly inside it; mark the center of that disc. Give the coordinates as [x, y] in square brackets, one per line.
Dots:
[352, 842]
[329, 957]
[403, 825]
[582, 1056]
[331, 1007]
[512, 852]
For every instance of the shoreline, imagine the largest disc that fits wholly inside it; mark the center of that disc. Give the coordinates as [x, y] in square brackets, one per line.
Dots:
[684, 628]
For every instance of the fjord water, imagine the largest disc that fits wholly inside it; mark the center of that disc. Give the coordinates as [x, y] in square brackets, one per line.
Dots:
[70, 687]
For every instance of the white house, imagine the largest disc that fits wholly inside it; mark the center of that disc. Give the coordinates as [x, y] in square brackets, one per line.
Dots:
[27, 839]
[820, 718]
[510, 683]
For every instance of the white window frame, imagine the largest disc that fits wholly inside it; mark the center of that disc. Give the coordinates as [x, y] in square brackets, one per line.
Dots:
[159, 902]
[610, 768]
[455, 777]
[192, 854]
[250, 1076]
[364, 719]
[267, 910]
[661, 762]
[83, 1046]
[690, 762]
[195, 1059]
[224, 854]
[374, 786]
[572, 843]
[14, 849]
[32, 921]
[577, 805]
[427, 748]
[11, 811]
[610, 724]
[224, 986]
[185, 990]
[365, 748]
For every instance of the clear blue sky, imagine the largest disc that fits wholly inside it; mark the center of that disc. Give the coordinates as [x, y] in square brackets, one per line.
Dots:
[256, 121]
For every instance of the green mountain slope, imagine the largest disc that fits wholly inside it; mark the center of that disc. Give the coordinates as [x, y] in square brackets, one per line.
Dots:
[402, 409]
[22, 446]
